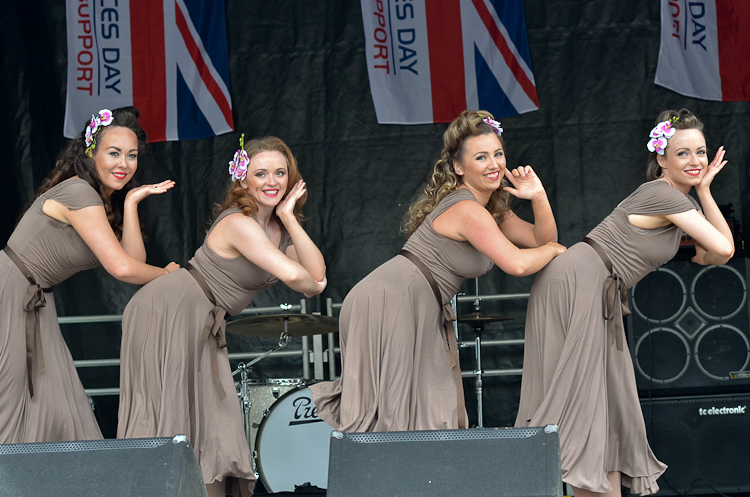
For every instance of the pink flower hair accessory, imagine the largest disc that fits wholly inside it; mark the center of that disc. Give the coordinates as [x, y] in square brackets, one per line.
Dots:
[238, 165]
[660, 135]
[105, 118]
[494, 124]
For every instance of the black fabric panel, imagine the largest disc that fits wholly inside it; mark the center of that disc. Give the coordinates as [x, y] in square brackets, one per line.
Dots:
[298, 71]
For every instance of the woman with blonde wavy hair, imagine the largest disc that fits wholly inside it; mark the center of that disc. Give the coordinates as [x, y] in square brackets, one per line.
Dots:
[399, 355]
[175, 376]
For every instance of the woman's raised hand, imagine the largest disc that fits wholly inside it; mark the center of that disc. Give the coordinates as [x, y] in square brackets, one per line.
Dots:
[139, 193]
[713, 169]
[286, 206]
[526, 184]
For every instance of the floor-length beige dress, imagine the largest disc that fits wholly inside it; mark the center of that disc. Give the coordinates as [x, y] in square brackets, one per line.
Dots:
[574, 375]
[399, 361]
[52, 252]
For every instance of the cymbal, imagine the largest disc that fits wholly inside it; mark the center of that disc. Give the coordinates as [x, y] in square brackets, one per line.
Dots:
[272, 325]
[476, 318]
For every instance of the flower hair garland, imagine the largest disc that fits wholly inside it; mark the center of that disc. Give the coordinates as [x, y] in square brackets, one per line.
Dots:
[105, 118]
[660, 135]
[494, 124]
[238, 165]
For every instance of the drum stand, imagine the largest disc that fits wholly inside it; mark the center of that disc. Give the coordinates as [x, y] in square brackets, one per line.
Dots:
[477, 321]
[245, 401]
[478, 328]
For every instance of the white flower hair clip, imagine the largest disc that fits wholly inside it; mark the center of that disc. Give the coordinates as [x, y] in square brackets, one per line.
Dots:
[660, 135]
[238, 165]
[494, 124]
[105, 118]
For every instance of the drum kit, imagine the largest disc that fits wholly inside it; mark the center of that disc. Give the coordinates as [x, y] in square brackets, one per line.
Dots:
[288, 440]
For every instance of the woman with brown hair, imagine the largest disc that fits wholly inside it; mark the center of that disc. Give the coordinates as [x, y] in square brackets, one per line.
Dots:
[399, 359]
[175, 376]
[577, 370]
[85, 214]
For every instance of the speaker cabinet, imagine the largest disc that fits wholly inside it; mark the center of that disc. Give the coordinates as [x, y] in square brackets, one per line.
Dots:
[705, 442]
[146, 467]
[492, 462]
[689, 329]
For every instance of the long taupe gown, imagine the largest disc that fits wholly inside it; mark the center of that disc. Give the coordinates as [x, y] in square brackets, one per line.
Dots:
[166, 382]
[52, 252]
[574, 376]
[399, 360]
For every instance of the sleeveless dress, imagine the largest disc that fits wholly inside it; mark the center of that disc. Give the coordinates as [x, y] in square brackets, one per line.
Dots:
[167, 386]
[399, 361]
[574, 375]
[52, 251]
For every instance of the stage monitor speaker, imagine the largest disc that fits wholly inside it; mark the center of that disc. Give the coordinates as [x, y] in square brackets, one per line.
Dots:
[705, 441]
[689, 329]
[496, 462]
[145, 467]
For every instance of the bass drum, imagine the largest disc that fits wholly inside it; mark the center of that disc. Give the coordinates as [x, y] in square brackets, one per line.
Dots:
[292, 443]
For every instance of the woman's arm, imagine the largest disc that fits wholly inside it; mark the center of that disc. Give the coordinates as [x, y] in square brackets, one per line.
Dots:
[244, 235]
[469, 221]
[92, 226]
[132, 238]
[303, 249]
[523, 234]
[709, 230]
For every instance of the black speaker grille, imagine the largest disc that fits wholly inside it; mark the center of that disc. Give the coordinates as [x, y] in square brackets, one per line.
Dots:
[690, 328]
[703, 440]
[87, 445]
[445, 435]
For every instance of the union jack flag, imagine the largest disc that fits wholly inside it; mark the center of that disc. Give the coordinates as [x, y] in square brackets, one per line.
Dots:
[168, 58]
[429, 60]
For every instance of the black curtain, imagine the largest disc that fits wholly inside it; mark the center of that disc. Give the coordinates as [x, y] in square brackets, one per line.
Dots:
[298, 71]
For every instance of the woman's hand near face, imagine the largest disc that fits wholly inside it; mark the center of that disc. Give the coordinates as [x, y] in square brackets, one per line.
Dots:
[713, 169]
[285, 209]
[527, 184]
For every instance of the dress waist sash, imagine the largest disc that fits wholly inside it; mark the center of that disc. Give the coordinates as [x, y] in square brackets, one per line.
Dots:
[615, 297]
[451, 347]
[31, 304]
[213, 333]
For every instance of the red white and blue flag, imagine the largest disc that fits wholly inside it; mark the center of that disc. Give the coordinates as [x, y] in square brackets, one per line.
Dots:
[429, 60]
[705, 48]
[166, 57]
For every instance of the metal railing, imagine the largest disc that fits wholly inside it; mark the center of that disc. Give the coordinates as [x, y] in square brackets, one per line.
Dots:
[332, 351]
[114, 318]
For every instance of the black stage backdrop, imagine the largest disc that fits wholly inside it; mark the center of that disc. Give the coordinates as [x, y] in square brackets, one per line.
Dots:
[298, 71]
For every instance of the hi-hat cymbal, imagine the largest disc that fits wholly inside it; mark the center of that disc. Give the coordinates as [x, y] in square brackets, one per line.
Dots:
[272, 325]
[481, 318]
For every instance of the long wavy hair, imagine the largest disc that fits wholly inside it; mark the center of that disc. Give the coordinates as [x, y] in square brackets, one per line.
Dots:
[444, 178]
[73, 161]
[685, 120]
[238, 197]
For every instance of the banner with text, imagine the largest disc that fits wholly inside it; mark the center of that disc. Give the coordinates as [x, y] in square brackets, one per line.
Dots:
[429, 60]
[705, 48]
[166, 57]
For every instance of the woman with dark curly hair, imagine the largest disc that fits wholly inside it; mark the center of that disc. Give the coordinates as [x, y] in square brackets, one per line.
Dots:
[85, 214]
[175, 376]
[399, 355]
[577, 370]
